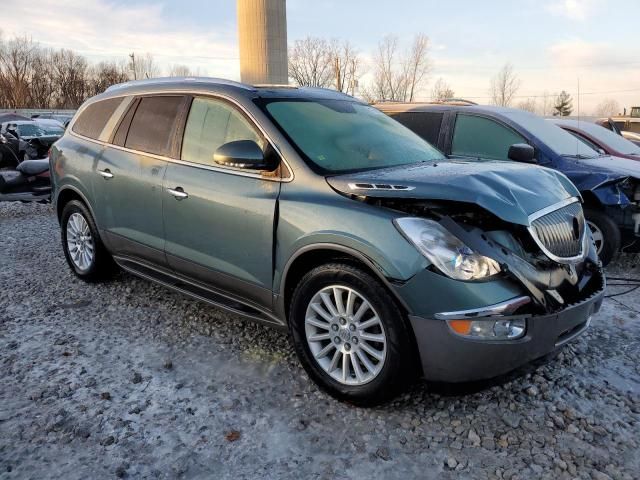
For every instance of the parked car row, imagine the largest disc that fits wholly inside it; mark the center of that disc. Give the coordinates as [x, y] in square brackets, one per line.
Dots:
[385, 254]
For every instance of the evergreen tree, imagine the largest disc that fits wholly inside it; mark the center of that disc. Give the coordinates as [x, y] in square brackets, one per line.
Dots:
[563, 105]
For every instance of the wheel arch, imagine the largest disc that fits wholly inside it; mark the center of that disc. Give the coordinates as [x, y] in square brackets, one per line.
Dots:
[65, 195]
[311, 256]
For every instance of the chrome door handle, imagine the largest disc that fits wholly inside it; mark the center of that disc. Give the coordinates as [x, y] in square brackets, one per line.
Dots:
[178, 193]
[106, 173]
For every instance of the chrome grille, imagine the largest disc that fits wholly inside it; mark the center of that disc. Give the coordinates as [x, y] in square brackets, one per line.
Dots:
[560, 233]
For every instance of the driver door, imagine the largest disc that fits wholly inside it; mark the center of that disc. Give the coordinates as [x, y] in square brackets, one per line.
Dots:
[219, 227]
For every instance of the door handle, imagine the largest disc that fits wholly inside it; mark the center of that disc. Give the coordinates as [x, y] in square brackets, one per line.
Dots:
[178, 193]
[106, 173]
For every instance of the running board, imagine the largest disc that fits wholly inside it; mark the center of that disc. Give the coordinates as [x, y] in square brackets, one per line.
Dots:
[198, 292]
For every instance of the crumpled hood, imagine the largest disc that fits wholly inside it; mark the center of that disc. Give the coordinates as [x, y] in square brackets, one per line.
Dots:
[616, 166]
[511, 191]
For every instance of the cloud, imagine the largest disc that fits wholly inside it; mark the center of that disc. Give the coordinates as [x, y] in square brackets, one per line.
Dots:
[578, 10]
[104, 30]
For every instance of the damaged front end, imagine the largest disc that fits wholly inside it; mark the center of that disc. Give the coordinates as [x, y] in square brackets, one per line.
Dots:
[553, 258]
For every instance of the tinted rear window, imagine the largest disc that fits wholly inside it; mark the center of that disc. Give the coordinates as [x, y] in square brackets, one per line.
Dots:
[427, 125]
[93, 118]
[153, 124]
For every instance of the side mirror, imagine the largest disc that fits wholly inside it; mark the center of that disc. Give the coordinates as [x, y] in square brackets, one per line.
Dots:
[521, 152]
[241, 154]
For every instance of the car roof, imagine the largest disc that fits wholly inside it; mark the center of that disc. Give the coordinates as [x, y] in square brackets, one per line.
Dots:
[207, 84]
[19, 122]
[391, 107]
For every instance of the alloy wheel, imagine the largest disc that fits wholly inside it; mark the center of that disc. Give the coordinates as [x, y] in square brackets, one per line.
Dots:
[345, 335]
[598, 236]
[80, 242]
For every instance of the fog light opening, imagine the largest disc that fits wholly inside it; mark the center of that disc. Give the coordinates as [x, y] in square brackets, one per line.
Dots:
[502, 329]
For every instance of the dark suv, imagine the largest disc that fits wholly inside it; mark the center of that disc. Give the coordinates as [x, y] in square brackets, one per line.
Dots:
[610, 186]
[315, 213]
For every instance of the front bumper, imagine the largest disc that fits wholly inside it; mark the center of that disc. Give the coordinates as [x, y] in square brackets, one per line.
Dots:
[448, 357]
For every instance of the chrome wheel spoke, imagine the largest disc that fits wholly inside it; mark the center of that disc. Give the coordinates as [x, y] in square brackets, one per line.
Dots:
[351, 352]
[370, 337]
[372, 351]
[323, 353]
[320, 311]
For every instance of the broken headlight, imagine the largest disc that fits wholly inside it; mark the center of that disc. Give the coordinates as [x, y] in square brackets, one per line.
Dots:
[448, 253]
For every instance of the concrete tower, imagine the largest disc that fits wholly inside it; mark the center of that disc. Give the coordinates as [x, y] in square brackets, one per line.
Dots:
[262, 28]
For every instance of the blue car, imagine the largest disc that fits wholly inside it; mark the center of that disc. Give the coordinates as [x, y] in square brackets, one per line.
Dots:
[610, 186]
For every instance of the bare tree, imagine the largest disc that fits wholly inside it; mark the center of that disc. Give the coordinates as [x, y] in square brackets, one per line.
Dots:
[607, 108]
[310, 62]
[16, 57]
[69, 74]
[105, 74]
[142, 66]
[346, 66]
[441, 91]
[180, 71]
[417, 65]
[545, 107]
[41, 87]
[398, 77]
[504, 86]
[528, 105]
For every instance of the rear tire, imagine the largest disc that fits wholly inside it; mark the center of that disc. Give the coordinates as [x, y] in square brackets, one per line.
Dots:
[328, 335]
[606, 234]
[83, 249]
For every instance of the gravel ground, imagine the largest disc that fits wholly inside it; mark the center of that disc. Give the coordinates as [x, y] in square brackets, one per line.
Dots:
[128, 379]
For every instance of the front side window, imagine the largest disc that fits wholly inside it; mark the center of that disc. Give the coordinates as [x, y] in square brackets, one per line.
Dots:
[343, 135]
[482, 137]
[211, 124]
[153, 125]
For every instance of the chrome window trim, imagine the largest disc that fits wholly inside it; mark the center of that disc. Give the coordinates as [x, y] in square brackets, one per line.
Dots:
[552, 208]
[195, 93]
[501, 309]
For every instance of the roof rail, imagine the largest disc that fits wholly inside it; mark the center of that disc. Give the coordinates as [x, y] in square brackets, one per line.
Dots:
[163, 80]
[455, 101]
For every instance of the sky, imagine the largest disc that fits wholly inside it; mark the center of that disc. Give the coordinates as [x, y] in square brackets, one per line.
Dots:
[553, 45]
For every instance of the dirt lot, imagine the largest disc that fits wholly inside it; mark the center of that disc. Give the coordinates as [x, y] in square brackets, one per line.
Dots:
[129, 379]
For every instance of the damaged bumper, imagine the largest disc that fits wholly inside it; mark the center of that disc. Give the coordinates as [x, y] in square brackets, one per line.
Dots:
[448, 357]
[540, 309]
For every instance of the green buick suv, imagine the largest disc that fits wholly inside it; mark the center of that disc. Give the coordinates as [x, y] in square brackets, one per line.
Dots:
[313, 212]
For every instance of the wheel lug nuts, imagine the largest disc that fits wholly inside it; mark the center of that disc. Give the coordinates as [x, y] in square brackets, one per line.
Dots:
[336, 339]
[347, 347]
[352, 327]
[343, 321]
[354, 340]
[334, 327]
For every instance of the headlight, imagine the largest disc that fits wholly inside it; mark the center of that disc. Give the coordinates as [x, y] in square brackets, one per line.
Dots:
[502, 329]
[445, 251]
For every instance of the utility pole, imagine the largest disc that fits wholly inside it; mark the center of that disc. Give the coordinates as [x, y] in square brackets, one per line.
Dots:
[337, 72]
[132, 56]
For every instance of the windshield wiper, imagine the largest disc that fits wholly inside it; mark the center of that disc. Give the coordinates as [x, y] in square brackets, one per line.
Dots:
[579, 156]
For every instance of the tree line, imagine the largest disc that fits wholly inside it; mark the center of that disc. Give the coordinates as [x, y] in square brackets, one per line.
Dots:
[32, 76]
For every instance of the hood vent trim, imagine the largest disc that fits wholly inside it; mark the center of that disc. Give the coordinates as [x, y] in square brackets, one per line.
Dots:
[380, 186]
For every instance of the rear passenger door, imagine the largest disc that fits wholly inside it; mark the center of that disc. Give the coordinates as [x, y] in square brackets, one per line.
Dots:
[426, 124]
[482, 137]
[129, 176]
[219, 229]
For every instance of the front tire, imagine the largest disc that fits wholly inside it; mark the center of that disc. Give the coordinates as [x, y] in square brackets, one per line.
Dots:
[83, 249]
[606, 234]
[350, 336]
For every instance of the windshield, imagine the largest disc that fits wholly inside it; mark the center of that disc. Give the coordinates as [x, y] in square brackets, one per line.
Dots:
[561, 142]
[28, 130]
[52, 130]
[607, 137]
[342, 135]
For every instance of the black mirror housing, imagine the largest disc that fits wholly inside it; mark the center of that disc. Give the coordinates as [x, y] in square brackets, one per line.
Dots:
[522, 152]
[241, 154]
